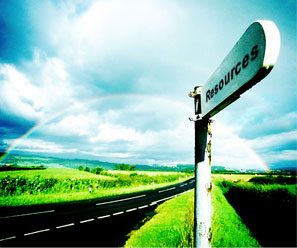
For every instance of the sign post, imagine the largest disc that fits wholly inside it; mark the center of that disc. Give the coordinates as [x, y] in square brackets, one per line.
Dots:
[249, 61]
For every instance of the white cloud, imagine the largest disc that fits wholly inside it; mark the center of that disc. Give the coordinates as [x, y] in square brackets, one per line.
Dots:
[74, 125]
[278, 140]
[232, 151]
[111, 133]
[283, 155]
[38, 93]
[85, 50]
[39, 145]
[18, 95]
[112, 155]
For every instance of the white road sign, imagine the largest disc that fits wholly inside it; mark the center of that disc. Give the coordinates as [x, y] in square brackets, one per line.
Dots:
[249, 61]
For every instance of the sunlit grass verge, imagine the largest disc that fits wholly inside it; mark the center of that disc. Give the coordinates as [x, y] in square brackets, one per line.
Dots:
[169, 227]
[172, 226]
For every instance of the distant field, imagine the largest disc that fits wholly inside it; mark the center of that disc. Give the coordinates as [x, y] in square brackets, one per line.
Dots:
[56, 173]
[149, 173]
[234, 177]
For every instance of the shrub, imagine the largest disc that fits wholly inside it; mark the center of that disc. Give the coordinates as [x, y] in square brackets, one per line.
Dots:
[274, 180]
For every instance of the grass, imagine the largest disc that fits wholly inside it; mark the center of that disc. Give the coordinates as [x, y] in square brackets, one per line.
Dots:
[57, 173]
[166, 228]
[227, 227]
[263, 205]
[172, 226]
[20, 200]
[63, 185]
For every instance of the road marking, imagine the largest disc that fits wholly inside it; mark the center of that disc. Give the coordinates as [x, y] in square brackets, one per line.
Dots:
[192, 181]
[167, 198]
[130, 210]
[44, 230]
[126, 199]
[183, 185]
[167, 189]
[13, 237]
[145, 206]
[19, 215]
[104, 216]
[84, 221]
[164, 199]
[71, 224]
[118, 213]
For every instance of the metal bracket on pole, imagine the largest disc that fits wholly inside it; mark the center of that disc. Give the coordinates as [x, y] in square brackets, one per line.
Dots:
[196, 94]
[203, 186]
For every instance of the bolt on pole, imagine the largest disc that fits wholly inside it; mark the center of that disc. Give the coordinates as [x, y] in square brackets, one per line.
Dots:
[203, 186]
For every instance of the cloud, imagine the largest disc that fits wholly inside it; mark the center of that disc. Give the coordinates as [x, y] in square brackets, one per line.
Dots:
[122, 129]
[109, 133]
[111, 46]
[38, 92]
[18, 95]
[40, 146]
[277, 148]
[74, 125]
[109, 79]
[274, 141]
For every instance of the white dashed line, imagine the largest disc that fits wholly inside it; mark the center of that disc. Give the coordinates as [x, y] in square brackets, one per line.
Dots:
[167, 189]
[164, 199]
[71, 224]
[20, 215]
[130, 210]
[104, 216]
[44, 230]
[183, 185]
[13, 237]
[118, 213]
[145, 206]
[84, 221]
[126, 199]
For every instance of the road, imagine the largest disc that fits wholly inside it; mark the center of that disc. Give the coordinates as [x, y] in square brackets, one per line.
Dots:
[96, 222]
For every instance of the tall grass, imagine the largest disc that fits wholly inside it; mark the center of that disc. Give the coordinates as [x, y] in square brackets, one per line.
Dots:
[264, 205]
[227, 227]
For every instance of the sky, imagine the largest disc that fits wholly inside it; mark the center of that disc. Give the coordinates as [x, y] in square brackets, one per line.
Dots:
[109, 80]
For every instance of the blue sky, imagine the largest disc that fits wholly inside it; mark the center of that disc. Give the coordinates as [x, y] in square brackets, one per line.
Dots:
[109, 79]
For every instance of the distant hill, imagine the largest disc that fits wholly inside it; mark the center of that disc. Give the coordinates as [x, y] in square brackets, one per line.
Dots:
[54, 162]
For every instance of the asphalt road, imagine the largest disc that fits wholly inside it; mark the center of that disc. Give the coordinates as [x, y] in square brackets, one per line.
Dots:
[96, 222]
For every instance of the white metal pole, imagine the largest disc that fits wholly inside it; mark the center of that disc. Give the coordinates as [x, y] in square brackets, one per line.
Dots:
[202, 219]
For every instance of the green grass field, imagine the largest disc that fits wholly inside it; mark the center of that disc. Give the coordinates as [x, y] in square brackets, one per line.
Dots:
[172, 226]
[252, 205]
[57, 173]
[168, 227]
[52, 185]
[227, 227]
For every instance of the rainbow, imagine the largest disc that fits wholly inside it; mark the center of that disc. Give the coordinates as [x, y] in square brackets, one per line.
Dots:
[51, 117]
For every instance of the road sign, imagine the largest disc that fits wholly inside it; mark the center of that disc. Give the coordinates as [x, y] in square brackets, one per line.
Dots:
[249, 61]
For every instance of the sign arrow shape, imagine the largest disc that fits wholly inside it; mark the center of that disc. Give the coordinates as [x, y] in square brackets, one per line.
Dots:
[249, 61]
